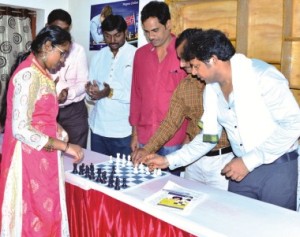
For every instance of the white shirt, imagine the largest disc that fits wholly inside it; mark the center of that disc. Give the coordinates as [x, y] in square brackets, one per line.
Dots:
[73, 75]
[285, 113]
[109, 117]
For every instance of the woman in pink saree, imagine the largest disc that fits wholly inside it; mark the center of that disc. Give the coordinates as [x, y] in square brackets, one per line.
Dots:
[32, 197]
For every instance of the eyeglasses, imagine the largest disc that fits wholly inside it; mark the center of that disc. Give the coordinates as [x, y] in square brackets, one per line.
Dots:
[63, 54]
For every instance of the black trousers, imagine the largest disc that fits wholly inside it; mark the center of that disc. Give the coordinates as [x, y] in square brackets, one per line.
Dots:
[74, 119]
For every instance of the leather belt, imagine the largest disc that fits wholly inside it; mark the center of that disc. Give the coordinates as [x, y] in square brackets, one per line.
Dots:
[293, 155]
[221, 151]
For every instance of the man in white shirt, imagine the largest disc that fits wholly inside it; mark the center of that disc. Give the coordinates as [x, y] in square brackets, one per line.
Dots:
[110, 78]
[71, 79]
[252, 101]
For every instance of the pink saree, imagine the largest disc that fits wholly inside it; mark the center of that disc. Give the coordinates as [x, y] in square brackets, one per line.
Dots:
[32, 195]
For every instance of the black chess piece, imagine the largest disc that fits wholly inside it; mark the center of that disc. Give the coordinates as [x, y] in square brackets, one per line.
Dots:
[113, 170]
[110, 182]
[117, 183]
[87, 172]
[92, 167]
[124, 183]
[104, 177]
[92, 175]
[75, 171]
[81, 169]
[99, 176]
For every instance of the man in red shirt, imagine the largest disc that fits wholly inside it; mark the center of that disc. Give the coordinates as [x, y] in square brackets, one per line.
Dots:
[156, 74]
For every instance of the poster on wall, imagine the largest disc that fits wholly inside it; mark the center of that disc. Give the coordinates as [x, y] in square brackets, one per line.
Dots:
[129, 9]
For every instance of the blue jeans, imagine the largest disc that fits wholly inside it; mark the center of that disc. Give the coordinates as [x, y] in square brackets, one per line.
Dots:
[165, 150]
[110, 146]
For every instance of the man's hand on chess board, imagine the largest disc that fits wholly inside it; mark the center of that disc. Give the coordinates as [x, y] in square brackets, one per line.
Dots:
[116, 173]
[154, 161]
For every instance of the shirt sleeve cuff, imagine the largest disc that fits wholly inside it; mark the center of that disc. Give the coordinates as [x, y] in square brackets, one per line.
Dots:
[173, 162]
[252, 160]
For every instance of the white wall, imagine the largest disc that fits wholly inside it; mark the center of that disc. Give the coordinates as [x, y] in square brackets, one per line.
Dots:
[80, 11]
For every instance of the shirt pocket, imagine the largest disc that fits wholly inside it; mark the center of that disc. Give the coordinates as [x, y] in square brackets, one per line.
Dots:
[70, 73]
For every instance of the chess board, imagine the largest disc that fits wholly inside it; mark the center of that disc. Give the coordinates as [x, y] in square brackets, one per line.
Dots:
[120, 173]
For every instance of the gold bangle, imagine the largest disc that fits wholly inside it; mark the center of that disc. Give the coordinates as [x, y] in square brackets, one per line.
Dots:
[111, 93]
[49, 147]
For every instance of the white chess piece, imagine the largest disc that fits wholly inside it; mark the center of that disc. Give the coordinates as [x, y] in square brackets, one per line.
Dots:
[129, 163]
[147, 170]
[135, 170]
[110, 159]
[123, 160]
[141, 168]
[118, 158]
[154, 173]
[118, 168]
[158, 173]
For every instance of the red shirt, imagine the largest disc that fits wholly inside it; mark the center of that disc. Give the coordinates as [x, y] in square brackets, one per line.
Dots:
[153, 84]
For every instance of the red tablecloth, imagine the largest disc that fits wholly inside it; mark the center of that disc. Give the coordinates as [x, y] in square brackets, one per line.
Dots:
[95, 214]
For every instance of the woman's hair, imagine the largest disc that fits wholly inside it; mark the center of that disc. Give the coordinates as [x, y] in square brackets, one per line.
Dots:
[106, 11]
[55, 35]
[52, 33]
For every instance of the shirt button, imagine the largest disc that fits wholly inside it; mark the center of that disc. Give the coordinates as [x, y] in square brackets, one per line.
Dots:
[241, 144]
[235, 126]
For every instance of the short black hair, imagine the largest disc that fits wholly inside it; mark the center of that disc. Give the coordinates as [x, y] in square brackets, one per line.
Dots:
[160, 10]
[204, 44]
[185, 35]
[59, 14]
[114, 22]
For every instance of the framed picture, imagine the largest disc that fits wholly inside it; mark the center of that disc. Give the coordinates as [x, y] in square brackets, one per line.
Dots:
[128, 9]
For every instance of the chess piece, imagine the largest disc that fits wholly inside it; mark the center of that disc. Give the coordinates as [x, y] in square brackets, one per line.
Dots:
[87, 171]
[92, 167]
[110, 182]
[111, 159]
[123, 160]
[117, 171]
[75, 171]
[129, 163]
[118, 158]
[113, 169]
[135, 170]
[154, 173]
[141, 169]
[99, 176]
[81, 169]
[158, 173]
[147, 170]
[104, 177]
[117, 183]
[124, 183]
